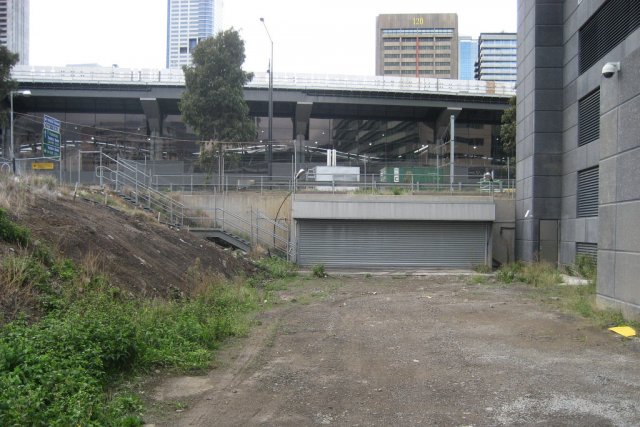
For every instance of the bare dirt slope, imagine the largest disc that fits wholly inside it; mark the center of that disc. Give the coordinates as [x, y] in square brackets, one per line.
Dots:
[406, 351]
[136, 253]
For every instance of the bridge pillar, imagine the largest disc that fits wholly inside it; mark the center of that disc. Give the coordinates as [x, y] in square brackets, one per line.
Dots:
[151, 109]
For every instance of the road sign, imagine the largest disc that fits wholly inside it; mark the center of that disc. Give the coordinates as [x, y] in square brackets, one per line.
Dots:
[42, 166]
[51, 143]
[51, 123]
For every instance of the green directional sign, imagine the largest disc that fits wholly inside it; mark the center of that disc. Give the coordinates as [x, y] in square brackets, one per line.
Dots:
[51, 137]
[51, 143]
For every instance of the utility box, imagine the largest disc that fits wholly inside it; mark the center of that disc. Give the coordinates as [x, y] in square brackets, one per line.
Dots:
[333, 175]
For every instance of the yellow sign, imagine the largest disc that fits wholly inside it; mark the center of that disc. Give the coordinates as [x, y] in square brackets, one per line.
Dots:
[625, 331]
[42, 166]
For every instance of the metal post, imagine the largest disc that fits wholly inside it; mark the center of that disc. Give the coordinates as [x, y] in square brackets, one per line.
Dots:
[270, 135]
[508, 174]
[11, 153]
[452, 154]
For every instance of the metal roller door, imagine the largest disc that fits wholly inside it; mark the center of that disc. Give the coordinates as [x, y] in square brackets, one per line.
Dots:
[350, 243]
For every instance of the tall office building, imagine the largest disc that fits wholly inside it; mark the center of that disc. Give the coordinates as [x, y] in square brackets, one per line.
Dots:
[189, 22]
[467, 56]
[497, 57]
[14, 27]
[417, 45]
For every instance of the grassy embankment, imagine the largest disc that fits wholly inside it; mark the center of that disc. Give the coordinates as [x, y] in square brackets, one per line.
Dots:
[69, 339]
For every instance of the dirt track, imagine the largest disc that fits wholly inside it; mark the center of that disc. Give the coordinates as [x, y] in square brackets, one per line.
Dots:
[374, 351]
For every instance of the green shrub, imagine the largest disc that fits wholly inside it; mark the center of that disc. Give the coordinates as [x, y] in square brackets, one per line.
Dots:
[536, 274]
[482, 268]
[278, 268]
[586, 267]
[508, 273]
[540, 274]
[56, 371]
[11, 232]
[318, 271]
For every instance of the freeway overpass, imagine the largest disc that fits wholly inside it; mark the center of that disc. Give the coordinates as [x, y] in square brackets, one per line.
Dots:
[380, 116]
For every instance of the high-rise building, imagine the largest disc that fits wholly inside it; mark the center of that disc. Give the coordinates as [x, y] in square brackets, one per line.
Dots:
[497, 57]
[14, 27]
[189, 22]
[417, 45]
[467, 56]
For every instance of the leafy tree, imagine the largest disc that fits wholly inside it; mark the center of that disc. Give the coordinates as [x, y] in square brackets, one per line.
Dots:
[7, 60]
[213, 101]
[508, 129]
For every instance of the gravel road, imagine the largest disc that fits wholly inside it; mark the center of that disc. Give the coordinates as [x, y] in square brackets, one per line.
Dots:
[411, 350]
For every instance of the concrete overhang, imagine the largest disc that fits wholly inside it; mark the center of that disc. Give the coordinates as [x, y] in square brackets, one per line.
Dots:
[398, 208]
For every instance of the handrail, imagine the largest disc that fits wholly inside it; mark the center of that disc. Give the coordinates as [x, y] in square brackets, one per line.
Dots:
[154, 200]
[259, 232]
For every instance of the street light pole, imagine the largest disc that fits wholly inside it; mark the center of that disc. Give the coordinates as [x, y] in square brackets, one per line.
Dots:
[270, 136]
[12, 156]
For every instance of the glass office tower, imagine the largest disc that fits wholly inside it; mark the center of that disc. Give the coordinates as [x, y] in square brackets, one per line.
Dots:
[189, 22]
[467, 55]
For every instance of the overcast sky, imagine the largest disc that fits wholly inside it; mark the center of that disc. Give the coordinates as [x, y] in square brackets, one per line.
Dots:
[310, 36]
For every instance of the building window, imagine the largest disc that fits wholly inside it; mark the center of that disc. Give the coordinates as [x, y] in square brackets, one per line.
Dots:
[391, 64]
[588, 192]
[589, 118]
[183, 49]
[611, 24]
[391, 55]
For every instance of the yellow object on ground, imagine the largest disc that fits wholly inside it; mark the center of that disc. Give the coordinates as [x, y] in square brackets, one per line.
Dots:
[625, 331]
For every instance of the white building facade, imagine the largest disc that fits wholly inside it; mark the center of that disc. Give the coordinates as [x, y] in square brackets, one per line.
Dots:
[189, 22]
[497, 57]
[14, 27]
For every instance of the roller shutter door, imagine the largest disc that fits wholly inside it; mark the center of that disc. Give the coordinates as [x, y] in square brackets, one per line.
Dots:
[349, 243]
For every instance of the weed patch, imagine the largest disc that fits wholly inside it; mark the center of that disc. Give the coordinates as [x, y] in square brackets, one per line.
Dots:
[319, 271]
[58, 370]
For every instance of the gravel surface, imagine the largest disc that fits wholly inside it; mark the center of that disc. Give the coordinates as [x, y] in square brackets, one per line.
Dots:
[405, 350]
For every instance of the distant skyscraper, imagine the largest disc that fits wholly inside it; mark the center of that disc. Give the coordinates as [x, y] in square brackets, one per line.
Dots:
[189, 22]
[497, 57]
[417, 45]
[467, 56]
[14, 27]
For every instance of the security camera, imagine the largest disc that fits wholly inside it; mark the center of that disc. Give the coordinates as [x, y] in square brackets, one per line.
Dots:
[610, 69]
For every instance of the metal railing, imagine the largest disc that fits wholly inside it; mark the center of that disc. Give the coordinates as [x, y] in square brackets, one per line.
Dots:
[175, 77]
[131, 182]
[258, 229]
[373, 183]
